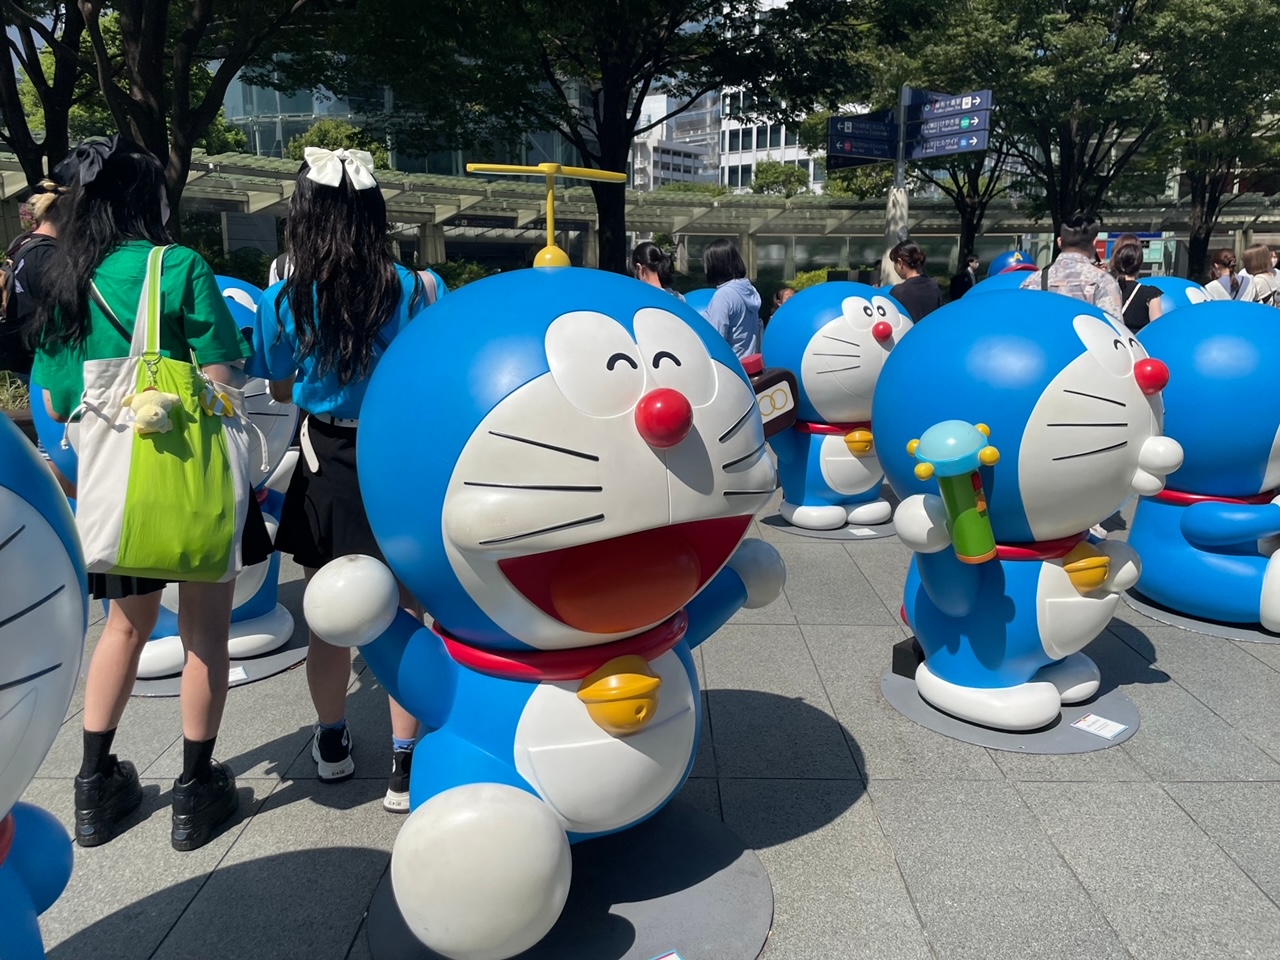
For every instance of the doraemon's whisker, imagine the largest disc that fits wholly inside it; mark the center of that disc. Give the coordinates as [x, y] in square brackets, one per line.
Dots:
[252, 396]
[1089, 453]
[827, 336]
[1094, 396]
[551, 529]
[734, 463]
[737, 424]
[8, 684]
[747, 493]
[856, 366]
[855, 356]
[546, 446]
[558, 487]
[1086, 424]
[266, 413]
[26, 610]
[11, 537]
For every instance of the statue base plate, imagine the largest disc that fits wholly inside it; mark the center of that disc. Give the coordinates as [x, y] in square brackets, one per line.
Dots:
[247, 670]
[1248, 632]
[681, 881]
[1060, 737]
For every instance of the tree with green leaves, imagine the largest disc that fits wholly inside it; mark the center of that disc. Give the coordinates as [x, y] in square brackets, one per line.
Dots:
[1224, 106]
[339, 134]
[775, 178]
[496, 68]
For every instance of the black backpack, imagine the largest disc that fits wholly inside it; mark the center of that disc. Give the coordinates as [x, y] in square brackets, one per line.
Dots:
[9, 286]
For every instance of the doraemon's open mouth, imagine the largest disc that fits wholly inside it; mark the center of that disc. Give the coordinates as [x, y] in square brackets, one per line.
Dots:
[625, 583]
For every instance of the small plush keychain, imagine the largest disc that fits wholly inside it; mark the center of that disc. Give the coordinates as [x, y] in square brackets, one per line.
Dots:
[150, 410]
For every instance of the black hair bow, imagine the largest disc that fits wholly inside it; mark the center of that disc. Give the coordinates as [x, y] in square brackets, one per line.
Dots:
[85, 161]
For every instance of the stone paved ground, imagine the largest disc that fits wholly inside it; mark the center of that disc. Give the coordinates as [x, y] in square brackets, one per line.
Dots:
[883, 840]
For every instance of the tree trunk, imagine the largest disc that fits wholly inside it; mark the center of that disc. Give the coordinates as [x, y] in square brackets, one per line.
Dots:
[611, 209]
[1201, 220]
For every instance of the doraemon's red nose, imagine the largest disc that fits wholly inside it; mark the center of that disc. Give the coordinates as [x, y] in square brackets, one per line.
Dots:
[882, 331]
[664, 417]
[1152, 375]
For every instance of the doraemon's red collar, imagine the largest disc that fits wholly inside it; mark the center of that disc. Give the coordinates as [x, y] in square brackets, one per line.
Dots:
[7, 829]
[808, 426]
[1187, 499]
[1040, 550]
[537, 665]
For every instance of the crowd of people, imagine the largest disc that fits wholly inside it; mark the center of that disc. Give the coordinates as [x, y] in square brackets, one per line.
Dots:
[338, 302]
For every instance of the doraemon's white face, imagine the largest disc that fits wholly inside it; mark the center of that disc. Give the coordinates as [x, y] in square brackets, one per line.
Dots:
[1093, 438]
[843, 360]
[594, 501]
[41, 641]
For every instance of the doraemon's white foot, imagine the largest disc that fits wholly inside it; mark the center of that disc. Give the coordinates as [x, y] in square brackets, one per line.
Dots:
[481, 872]
[1269, 605]
[1076, 678]
[1028, 706]
[829, 517]
[878, 511]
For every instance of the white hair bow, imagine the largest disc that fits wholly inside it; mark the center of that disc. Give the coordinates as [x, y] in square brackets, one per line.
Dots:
[327, 167]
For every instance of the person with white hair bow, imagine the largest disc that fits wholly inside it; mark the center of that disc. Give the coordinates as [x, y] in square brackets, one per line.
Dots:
[319, 335]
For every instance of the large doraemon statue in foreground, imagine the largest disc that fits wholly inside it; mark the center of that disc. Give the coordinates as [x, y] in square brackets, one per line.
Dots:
[1208, 541]
[561, 464]
[1035, 417]
[834, 337]
[43, 615]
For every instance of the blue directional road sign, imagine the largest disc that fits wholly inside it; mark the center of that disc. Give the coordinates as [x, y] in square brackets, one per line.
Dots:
[872, 149]
[944, 146]
[837, 162]
[970, 122]
[927, 105]
[872, 126]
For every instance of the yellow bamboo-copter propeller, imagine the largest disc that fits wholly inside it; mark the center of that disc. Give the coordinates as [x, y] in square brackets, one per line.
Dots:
[550, 255]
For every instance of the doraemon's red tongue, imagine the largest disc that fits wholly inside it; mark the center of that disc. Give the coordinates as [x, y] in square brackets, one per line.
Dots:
[625, 583]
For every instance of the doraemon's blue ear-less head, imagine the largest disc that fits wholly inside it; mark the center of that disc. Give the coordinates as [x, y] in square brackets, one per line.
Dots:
[1009, 280]
[700, 298]
[835, 337]
[1011, 260]
[557, 458]
[43, 611]
[1071, 399]
[239, 291]
[1176, 293]
[1222, 404]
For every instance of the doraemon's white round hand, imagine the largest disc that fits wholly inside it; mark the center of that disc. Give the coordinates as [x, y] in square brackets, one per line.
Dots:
[481, 872]
[1159, 457]
[1125, 567]
[762, 571]
[351, 601]
[921, 523]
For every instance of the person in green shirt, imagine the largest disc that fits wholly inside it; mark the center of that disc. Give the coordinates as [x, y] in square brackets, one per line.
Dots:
[117, 216]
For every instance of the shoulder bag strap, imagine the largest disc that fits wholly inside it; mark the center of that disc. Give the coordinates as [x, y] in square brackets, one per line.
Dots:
[1129, 299]
[1044, 279]
[96, 296]
[146, 326]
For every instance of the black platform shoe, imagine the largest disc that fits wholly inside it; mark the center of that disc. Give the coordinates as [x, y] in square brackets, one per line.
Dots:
[103, 801]
[200, 808]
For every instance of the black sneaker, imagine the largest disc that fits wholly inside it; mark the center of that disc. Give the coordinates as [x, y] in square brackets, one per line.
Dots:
[200, 808]
[397, 798]
[103, 801]
[331, 750]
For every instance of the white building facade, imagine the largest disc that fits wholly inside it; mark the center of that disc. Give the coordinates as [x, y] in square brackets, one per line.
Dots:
[679, 150]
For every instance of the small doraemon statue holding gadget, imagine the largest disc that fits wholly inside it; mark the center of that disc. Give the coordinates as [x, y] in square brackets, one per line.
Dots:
[562, 465]
[44, 612]
[834, 337]
[1010, 430]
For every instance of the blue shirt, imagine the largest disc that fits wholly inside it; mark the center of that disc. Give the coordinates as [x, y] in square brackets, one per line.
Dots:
[275, 353]
[734, 311]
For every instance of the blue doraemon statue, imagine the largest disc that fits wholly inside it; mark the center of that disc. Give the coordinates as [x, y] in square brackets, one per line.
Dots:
[1011, 261]
[1070, 403]
[1177, 293]
[700, 298]
[1208, 541]
[834, 337]
[561, 465]
[44, 612]
[1009, 280]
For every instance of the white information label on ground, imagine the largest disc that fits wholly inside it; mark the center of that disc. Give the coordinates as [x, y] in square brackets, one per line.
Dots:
[1100, 726]
[236, 675]
[668, 956]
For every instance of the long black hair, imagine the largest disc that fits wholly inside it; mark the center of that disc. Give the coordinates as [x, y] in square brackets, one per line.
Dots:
[115, 195]
[722, 262]
[649, 255]
[343, 286]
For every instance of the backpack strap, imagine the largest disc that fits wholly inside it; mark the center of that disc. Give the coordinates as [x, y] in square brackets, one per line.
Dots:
[1132, 294]
[1044, 279]
[96, 295]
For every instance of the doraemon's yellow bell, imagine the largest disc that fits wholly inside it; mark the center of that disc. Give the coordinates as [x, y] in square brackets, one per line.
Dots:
[1087, 567]
[550, 255]
[622, 696]
[859, 442]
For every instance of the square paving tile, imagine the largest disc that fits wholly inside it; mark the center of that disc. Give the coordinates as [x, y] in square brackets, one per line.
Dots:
[884, 563]
[1241, 818]
[837, 889]
[824, 585]
[1166, 888]
[986, 880]
[851, 661]
[769, 712]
